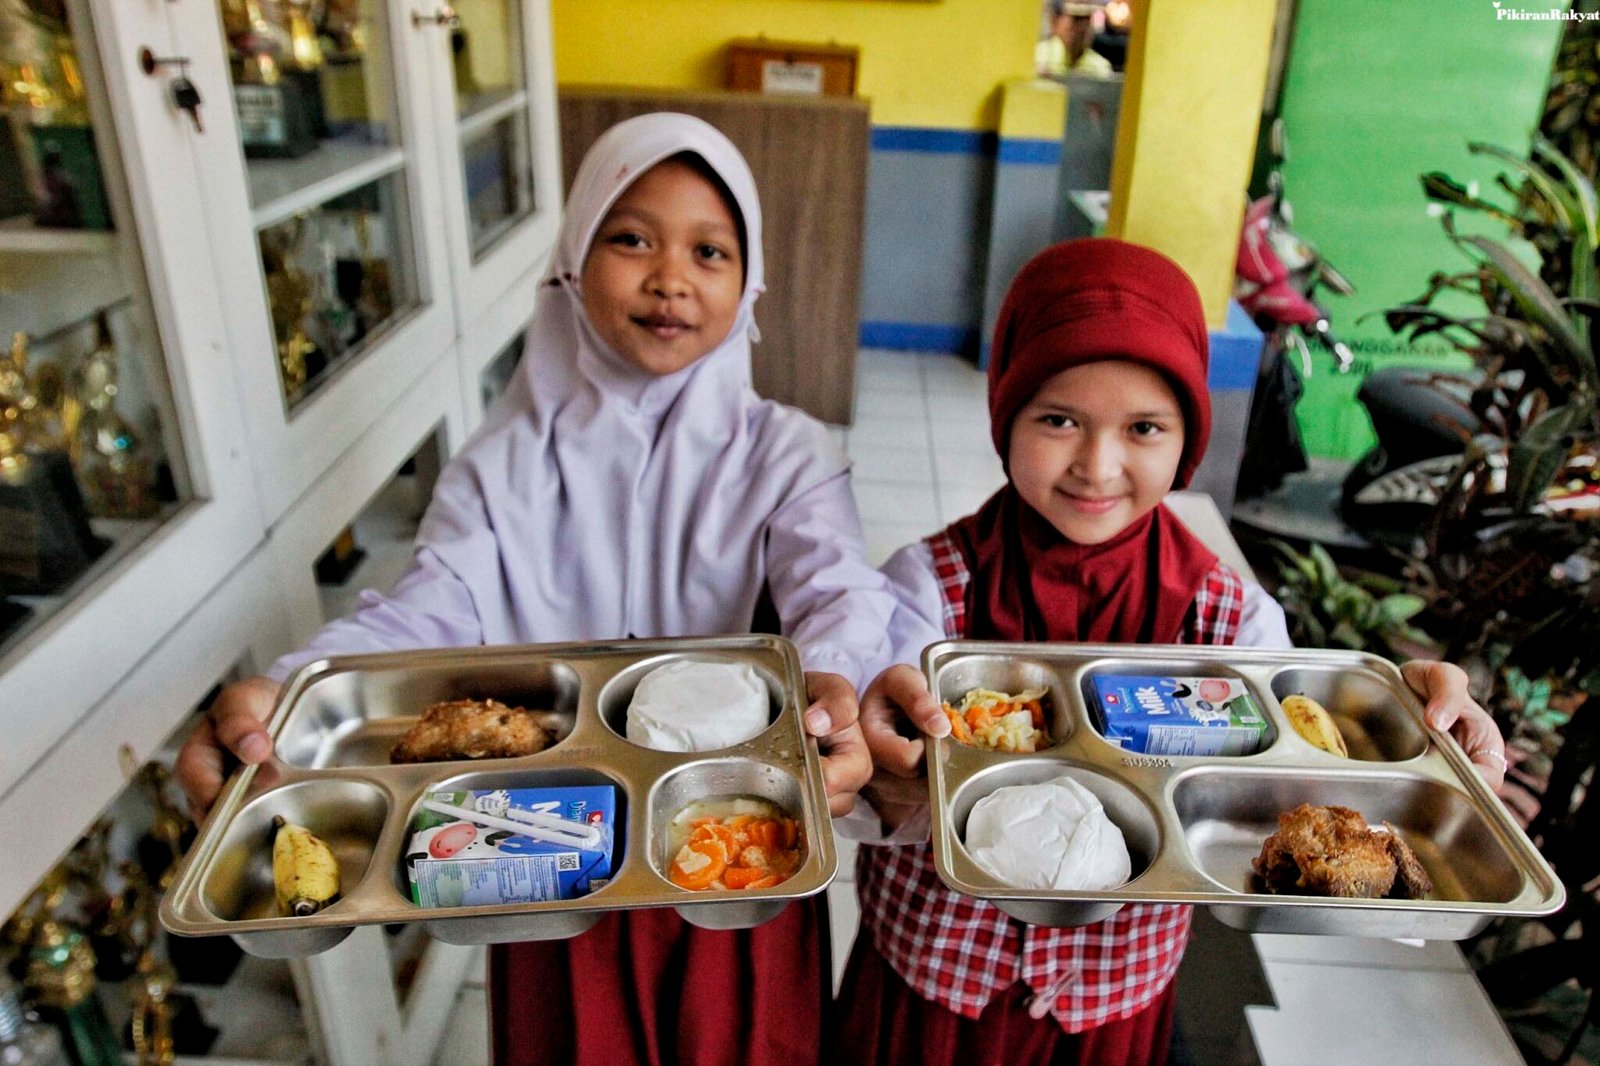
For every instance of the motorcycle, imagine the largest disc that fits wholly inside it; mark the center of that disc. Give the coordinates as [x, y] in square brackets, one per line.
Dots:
[1277, 274]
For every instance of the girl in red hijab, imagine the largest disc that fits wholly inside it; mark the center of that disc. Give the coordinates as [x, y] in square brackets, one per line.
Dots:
[1098, 407]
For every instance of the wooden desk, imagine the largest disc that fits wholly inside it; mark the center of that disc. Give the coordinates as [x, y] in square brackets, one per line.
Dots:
[809, 157]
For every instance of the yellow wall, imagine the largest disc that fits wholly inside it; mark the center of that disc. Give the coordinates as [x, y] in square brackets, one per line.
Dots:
[1187, 132]
[922, 64]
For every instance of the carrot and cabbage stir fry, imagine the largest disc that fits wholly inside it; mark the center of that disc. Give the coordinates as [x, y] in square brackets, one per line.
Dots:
[1000, 722]
[737, 852]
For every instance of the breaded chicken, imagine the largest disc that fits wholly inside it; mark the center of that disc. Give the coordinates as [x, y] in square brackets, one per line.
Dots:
[1330, 851]
[471, 729]
[1411, 880]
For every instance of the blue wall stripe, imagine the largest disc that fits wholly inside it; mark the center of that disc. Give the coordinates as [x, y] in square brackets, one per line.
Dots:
[917, 336]
[937, 141]
[1030, 150]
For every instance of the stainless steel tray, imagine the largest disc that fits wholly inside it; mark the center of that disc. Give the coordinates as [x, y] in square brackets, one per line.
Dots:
[1193, 824]
[337, 719]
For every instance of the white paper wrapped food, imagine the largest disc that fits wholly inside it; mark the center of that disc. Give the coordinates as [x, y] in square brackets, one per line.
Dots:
[696, 705]
[1053, 835]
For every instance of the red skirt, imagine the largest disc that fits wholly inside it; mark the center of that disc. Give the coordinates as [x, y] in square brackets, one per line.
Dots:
[647, 987]
[881, 1020]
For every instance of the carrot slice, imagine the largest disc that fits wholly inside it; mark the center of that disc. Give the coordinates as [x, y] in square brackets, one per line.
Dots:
[744, 876]
[698, 864]
[958, 725]
[766, 834]
[767, 881]
[720, 833]
[1036, 709]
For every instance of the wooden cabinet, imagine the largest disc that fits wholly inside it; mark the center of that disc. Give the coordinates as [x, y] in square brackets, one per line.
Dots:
[809, 157]
[759, 65]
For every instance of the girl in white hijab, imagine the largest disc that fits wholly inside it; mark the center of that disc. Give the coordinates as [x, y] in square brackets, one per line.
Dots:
[631, 484]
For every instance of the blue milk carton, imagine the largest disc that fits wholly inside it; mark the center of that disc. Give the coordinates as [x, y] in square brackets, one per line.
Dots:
[518, 845]
[1179, 715]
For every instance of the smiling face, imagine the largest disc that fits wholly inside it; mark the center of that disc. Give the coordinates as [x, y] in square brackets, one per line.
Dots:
[664, 275]
[1097, 448]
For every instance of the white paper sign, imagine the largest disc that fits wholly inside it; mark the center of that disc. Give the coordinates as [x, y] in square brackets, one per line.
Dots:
[780, 77]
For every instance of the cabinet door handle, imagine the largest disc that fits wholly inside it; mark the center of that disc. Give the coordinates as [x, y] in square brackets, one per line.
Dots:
[445, 16]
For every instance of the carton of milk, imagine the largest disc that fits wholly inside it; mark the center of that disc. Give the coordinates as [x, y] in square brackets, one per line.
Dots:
[519, 845]
[1179, 715]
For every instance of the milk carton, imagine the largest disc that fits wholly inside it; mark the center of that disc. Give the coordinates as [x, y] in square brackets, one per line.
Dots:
[489, 846]
[1179, 715]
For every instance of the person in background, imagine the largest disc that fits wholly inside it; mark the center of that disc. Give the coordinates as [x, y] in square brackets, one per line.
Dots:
[630, 483]
[1066, 50]
[1098, 407]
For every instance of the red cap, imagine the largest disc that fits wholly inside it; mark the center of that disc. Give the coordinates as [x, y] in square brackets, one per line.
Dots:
[1087, 300]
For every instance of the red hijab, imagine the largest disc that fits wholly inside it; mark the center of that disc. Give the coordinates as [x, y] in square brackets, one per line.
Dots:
[1077, 303]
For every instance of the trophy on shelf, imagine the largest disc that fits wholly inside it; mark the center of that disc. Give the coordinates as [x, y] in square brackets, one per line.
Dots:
[48, 97]
[289, 292]
[45, 539]
[277, 118]
[112, 463]
[61, 978]
[375, 299]
[88, 868]
[343, 32]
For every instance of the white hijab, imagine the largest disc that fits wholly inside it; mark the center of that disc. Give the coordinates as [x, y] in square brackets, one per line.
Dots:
[599, 501]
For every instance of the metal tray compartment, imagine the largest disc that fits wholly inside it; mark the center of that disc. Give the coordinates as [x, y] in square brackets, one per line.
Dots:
[1193, 824]
[337, 718]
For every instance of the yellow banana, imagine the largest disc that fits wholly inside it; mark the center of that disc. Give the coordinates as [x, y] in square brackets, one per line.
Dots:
[304, 871]
[1315, 724]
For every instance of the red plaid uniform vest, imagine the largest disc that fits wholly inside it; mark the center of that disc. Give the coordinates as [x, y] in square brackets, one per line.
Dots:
[960, 952]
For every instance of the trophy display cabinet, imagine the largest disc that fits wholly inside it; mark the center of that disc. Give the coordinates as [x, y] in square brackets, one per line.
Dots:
[256, 256]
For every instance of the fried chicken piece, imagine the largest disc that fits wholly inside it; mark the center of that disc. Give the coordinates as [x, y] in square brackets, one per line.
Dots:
[1411, 880]
[471, 729]
[1326, 851]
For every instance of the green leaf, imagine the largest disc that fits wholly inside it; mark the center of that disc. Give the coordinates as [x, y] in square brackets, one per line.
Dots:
[1400, 606]
[1536, 300]
[1538, 455]
[1327, 571]
[1584, 284]
[1561, 203]
[1439, 186]
[1583, 194]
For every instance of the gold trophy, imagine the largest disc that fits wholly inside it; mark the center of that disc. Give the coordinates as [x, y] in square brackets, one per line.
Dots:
[343, 28]
[17, 406]
[61, 975]
[45, 539]
[305, 49]
[112, 464]
[375, 302]
[289, 290]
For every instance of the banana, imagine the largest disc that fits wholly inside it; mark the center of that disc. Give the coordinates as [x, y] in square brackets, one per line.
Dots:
[304, 872]
[1315, 724]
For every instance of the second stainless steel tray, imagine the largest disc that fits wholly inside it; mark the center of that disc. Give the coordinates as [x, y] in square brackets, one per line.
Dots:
[1192, 824]
[337, 719]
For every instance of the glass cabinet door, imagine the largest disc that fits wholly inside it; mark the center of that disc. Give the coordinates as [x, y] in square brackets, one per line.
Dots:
[90, 457]
[492, 131]
[499, 159]
[321, 170]
[313, 85]
[124, 489]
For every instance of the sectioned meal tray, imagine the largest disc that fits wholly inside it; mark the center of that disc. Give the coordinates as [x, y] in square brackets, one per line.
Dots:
[337, 719]
[1193, 823]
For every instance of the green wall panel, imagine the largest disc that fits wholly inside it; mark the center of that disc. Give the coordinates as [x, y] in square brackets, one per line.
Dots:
[1375, 94]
